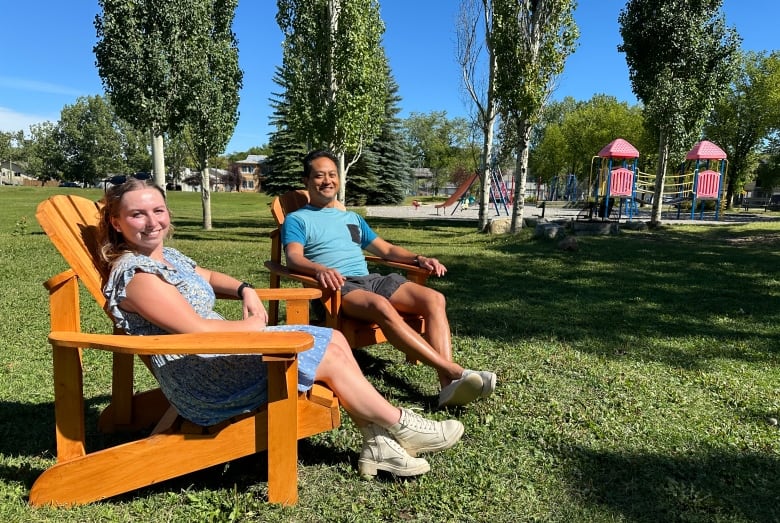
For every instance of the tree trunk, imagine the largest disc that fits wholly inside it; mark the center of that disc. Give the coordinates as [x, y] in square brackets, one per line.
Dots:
[736, 166]
[521, 174]
[158, 160]
[205, 197]
[485, 178]
[342, 178]
[660, 175]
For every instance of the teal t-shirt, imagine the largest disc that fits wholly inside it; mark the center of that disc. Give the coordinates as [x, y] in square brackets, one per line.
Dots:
[331, 237]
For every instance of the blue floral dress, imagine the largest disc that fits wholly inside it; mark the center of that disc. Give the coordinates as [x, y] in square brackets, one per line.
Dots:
[205, 389]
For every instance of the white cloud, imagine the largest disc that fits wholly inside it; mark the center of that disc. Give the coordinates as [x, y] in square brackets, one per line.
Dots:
[11, 121]
[39, 87]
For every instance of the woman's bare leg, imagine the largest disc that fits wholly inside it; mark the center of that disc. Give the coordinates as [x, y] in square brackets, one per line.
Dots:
[364, 404]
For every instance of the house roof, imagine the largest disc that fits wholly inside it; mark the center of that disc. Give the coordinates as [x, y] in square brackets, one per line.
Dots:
[422, 172]
[254, 159]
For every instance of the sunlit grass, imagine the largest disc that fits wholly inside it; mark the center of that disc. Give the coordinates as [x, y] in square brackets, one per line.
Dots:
[637, 378]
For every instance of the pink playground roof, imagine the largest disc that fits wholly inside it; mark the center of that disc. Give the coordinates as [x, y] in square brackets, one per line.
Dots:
[705, 150]
[619, 148]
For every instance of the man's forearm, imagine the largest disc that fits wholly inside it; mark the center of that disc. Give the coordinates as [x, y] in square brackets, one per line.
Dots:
[304, 265]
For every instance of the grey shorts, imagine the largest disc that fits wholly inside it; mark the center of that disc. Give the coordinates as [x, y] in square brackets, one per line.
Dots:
[384, 285]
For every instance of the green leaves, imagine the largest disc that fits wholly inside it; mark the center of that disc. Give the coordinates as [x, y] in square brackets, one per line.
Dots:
[680, 57]
[531, 41]
[157, 57]
[335, 71]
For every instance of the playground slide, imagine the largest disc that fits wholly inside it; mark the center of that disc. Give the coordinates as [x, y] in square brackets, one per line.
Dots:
[458, 194]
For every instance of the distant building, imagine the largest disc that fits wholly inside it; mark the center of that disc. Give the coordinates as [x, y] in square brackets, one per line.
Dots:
[251, 169]
[423, 181]
[11, 173]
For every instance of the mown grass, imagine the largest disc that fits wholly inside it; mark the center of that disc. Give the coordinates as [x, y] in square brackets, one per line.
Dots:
[638, 378]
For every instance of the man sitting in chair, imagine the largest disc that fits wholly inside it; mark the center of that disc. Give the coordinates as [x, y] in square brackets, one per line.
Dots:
[327, 242]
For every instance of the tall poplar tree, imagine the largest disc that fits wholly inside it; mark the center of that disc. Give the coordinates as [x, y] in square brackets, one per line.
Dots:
[680, 57]
[336, 74]
[167, 64]
[211, 111]
[531, 41]
[139, 54]
[478, 66]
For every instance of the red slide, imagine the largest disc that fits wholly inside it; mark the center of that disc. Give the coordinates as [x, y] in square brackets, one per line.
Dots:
[461, 190]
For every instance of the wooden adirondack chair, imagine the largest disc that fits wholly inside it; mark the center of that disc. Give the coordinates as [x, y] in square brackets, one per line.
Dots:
[175, 446]
[358, 333]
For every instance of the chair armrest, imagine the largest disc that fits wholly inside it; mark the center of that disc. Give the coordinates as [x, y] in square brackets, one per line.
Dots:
[282, 270]
[267, 343]
[279, 294]
[408, 267]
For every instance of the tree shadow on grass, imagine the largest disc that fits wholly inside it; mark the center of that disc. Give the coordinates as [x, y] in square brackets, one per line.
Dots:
[703, 486]
[244, 474]
[403, 392]
[627, 292]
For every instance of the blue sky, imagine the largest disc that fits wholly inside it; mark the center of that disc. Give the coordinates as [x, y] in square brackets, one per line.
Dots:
[49, 61]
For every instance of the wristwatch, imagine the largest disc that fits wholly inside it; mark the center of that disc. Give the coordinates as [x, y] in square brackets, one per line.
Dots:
[240, 291]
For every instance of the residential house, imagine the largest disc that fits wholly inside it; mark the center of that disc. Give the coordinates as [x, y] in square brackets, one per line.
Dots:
[11, 173]
[251, 169]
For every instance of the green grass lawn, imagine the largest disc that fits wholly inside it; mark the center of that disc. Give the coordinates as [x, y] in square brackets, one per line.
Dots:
[637, 378]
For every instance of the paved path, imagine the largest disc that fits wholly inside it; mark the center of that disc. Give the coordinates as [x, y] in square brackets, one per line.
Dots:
[429, 211]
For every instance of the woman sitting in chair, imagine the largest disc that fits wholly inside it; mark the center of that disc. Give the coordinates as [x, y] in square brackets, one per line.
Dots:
[153, 289]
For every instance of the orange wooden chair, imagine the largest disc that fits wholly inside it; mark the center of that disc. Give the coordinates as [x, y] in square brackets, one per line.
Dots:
[175, 446]
[358, 332]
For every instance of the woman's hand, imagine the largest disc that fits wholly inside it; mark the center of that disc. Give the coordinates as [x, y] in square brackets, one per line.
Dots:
[256, 323]
[253, 308]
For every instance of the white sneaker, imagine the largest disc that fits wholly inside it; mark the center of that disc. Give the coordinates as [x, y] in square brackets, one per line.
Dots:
[381, 452]
[461, 391]
[418, 435]
[488, 381]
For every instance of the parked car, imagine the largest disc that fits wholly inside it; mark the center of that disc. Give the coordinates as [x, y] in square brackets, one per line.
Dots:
[70, 184]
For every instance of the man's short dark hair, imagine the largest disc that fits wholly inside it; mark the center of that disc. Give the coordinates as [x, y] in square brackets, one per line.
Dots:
[313, 155]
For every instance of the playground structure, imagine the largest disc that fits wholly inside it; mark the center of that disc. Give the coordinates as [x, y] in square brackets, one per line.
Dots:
[698, 181]
[707, 183]
[499, 194]
[456, 198]
[615, 180]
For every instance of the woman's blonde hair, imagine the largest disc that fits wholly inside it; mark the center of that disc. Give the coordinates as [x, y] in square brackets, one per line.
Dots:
[111, 242]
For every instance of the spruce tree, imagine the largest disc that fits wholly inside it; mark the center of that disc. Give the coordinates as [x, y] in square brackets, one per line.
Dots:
[392, 159]
[285, 170]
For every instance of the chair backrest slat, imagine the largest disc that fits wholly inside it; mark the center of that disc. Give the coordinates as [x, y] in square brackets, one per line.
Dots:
[71, 223]
[287, 203]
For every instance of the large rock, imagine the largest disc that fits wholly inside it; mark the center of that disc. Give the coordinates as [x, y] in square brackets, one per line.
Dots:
[569, 243]
[548, 230]
[499, 225]
[595, 227]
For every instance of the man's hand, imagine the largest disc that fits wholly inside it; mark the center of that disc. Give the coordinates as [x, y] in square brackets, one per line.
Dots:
[330, 279]
[433, 265]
